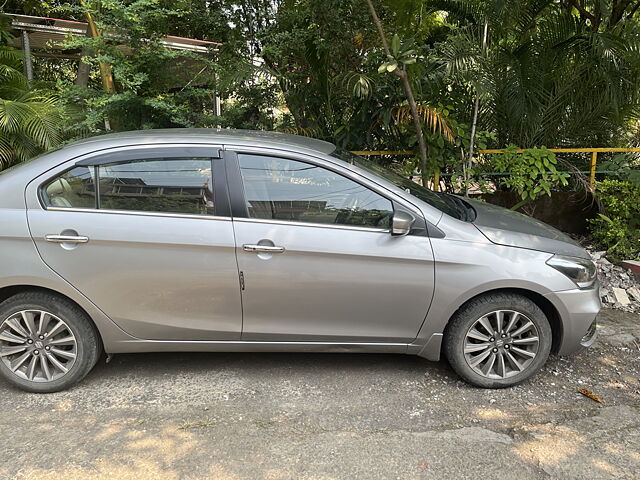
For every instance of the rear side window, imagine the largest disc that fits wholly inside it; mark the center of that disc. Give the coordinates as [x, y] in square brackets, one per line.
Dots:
[164, 185]
[176, 185]
[73, 189]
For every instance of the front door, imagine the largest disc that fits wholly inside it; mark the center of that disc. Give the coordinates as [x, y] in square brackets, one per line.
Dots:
[146, 236]
[318, 261]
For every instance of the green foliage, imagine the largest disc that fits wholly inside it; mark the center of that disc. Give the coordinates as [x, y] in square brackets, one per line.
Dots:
[30, 119]
[403, 53]
[316, 52]
[547, 76]
[155, 86]
[618, 229]
[625, 167]
[533, 173]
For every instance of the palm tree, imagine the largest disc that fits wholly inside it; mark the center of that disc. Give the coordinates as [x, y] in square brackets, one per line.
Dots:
[30, 120]
[547, 76]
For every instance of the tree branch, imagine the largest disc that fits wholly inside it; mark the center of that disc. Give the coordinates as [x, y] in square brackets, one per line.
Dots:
[584, 13]
[402, 73]
[634, 9]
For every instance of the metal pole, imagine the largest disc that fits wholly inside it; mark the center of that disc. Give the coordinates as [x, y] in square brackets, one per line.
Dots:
[217, 106]
[28, 64]
[592, 173]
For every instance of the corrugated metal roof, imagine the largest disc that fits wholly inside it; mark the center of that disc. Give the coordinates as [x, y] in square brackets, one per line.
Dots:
[49, 33]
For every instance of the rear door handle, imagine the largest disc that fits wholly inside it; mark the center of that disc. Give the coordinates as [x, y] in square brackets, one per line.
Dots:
[66, 238]
[262, 249]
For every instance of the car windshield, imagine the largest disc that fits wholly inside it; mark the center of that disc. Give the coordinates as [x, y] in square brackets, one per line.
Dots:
[422, 193]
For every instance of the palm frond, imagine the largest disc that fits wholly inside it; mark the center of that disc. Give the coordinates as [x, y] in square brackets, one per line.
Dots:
[359, 84]
[431, 117]
[314, 132]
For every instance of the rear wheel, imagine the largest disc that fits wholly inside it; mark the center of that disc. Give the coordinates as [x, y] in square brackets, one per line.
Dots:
[498, 340]
[47, 343]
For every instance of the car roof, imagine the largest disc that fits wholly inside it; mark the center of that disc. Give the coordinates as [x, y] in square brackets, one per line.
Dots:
[13, 180]
[209, 135]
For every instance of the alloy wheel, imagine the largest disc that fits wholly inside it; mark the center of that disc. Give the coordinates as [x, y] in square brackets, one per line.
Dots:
[37, 346]
[501, 344]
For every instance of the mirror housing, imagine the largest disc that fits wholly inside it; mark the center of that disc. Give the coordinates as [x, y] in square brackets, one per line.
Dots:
[401, 223]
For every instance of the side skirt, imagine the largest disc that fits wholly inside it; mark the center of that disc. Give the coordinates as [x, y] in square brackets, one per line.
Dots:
[144, 346]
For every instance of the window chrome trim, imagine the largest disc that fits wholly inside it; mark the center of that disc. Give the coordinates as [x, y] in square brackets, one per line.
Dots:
[311, 224]
[138, 213]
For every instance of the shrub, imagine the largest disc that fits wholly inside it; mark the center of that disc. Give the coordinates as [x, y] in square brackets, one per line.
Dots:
[532, 173]
[617, 229]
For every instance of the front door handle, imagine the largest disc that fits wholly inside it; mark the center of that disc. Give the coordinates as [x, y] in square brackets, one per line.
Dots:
[66, 238]
[262, 249]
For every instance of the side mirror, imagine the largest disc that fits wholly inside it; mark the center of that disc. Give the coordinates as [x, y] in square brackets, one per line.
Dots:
[401, 223]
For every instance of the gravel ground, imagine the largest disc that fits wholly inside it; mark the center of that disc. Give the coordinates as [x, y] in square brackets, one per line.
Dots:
[326, 416]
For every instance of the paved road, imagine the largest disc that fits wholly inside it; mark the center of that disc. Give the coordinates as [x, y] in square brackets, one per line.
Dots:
[277, 416]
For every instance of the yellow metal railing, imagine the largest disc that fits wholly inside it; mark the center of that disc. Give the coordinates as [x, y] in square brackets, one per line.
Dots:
[593, 151]
[592, 167]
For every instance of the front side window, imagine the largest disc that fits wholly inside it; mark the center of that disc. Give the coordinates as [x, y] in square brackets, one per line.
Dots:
[282, 189]
[434, 199]
[164, 185]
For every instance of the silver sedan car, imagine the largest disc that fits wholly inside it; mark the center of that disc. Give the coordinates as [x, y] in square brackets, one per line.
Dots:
[220, 240]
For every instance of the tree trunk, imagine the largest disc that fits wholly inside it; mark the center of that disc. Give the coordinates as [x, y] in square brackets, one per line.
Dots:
[105, 71]
[84, 69]
[474, 125]
[406, 84]
[422, 145]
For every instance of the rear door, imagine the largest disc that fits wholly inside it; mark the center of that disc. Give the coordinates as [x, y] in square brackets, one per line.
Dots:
[317, 258]
[145, 233]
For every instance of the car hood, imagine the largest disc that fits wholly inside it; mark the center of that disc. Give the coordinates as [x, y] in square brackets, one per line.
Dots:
[506, 227]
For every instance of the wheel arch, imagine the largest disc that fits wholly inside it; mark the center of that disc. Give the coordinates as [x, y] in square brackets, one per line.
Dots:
[432, 350]
[550, 311]
[9, 291]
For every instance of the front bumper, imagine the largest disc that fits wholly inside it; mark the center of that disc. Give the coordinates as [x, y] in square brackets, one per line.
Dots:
[578, 310]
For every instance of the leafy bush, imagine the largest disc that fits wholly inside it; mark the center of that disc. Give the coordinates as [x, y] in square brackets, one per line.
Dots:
[618, 229]
[532, 173]
[624, 166]
[30, 119]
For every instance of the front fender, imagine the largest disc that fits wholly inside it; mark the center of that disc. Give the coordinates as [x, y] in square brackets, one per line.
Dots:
[464, 270]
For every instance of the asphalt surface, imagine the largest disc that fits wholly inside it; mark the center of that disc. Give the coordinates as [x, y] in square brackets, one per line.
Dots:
[331, 416]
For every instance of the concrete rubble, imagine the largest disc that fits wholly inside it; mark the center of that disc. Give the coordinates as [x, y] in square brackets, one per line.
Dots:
[619, 287]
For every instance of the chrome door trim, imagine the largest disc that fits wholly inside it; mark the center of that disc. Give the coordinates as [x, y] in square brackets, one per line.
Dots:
[314, 225]
[138, 213]
[263, 249]
[66, 238]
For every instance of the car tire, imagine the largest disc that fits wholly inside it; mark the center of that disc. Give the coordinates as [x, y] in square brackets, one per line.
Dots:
[512, 353]
[47, 343]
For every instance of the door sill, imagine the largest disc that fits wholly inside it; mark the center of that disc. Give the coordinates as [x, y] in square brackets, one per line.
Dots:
[140, 346]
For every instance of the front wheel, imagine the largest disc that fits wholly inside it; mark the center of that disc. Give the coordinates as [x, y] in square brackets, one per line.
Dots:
[498, 340]
[47, 343]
